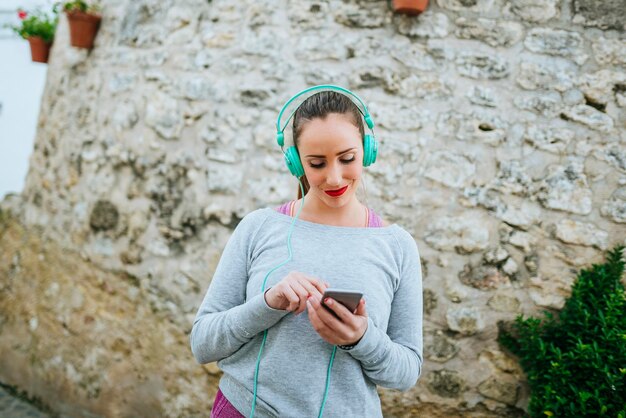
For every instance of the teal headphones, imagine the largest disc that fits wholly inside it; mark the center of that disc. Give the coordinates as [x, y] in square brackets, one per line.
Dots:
[292, 158]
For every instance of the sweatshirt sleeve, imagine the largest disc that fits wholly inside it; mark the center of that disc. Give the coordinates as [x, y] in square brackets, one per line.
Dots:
[225, 320]
[394, 359]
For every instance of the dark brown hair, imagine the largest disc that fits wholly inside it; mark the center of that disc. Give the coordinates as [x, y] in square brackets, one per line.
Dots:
[320, 105]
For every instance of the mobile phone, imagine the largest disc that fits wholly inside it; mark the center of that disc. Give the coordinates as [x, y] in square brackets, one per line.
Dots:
[348, 298]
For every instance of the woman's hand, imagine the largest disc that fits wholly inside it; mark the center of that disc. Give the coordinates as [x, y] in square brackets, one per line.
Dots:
[292, 292]
[347, 330]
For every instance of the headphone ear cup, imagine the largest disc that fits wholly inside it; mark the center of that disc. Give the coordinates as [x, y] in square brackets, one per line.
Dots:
[370, 150]
[292, 159]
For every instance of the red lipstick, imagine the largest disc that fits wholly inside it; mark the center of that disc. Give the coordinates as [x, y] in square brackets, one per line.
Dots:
[336, 193]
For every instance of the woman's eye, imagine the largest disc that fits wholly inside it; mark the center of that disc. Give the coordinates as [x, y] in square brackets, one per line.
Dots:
[343, 161]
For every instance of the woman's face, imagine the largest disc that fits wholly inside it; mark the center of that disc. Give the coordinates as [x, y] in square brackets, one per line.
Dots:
[331, 152]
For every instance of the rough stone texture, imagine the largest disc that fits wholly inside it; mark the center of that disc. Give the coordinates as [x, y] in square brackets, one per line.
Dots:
[485, 7]
[610, 51]
[438, 347]
[548, 292]
[104, 216]
[535, 11]
[14, 407]
[589, 116]
[449, 169]
[482, 66]
[482, 96]
[609, 14]
[503, 388]
[548, 138]
[489, 31]
[614, 208]
[495, 270]
[460, 234]
[546, 74]
[466, 320]
[556, 42]
[566, 188]
[110, 345]
[504, 303]
[433, 25]
[446, 383]
[581, 233]
[502, 152]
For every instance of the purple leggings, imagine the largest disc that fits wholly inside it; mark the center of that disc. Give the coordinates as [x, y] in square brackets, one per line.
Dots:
[222, 408]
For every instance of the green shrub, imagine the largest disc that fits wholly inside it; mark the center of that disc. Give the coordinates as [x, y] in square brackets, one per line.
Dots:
[576, 363]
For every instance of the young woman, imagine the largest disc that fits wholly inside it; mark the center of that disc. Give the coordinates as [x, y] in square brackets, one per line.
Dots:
[281, 351]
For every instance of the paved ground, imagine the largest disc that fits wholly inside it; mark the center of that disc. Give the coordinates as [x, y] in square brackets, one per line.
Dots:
[13, 407]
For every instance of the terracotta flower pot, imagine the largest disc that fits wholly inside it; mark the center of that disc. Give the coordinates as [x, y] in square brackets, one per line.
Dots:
[410, 7]
[83, 28]
[39, 49]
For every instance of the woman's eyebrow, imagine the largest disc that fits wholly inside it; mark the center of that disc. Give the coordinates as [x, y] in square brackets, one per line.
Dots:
[339, 153]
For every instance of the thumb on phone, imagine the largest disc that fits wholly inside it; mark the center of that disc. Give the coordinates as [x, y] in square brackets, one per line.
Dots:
[360, 309]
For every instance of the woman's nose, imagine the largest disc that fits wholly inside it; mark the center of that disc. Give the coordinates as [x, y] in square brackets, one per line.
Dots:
[333, 176]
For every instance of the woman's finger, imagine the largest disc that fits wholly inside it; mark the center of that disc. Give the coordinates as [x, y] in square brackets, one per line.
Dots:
[292, 298]
[319, 284]
[342, 312]
[311, 287]
[313, 317]
[302, 293]
[328, 319]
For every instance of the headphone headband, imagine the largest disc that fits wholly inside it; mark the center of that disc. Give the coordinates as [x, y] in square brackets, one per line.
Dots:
[366, 115]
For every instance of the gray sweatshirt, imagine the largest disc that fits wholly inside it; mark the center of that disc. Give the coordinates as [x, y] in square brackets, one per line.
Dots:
[382, 263]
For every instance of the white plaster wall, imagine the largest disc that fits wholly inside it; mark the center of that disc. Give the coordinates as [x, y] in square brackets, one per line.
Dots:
[21, 86]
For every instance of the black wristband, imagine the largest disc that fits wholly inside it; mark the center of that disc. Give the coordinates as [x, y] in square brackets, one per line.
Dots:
[351, 346]
[347, 347]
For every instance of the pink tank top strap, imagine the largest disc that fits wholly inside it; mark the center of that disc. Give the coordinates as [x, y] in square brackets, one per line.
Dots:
[374, 221]
[285, 208]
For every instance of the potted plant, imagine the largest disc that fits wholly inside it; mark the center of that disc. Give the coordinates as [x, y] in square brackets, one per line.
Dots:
[84, 20]
[38, 29]
[409, 7]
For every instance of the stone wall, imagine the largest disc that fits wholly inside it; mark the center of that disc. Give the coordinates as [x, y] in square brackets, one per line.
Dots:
[502, 151]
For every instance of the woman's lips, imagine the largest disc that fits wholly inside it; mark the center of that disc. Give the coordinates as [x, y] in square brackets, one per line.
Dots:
[336, 193]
